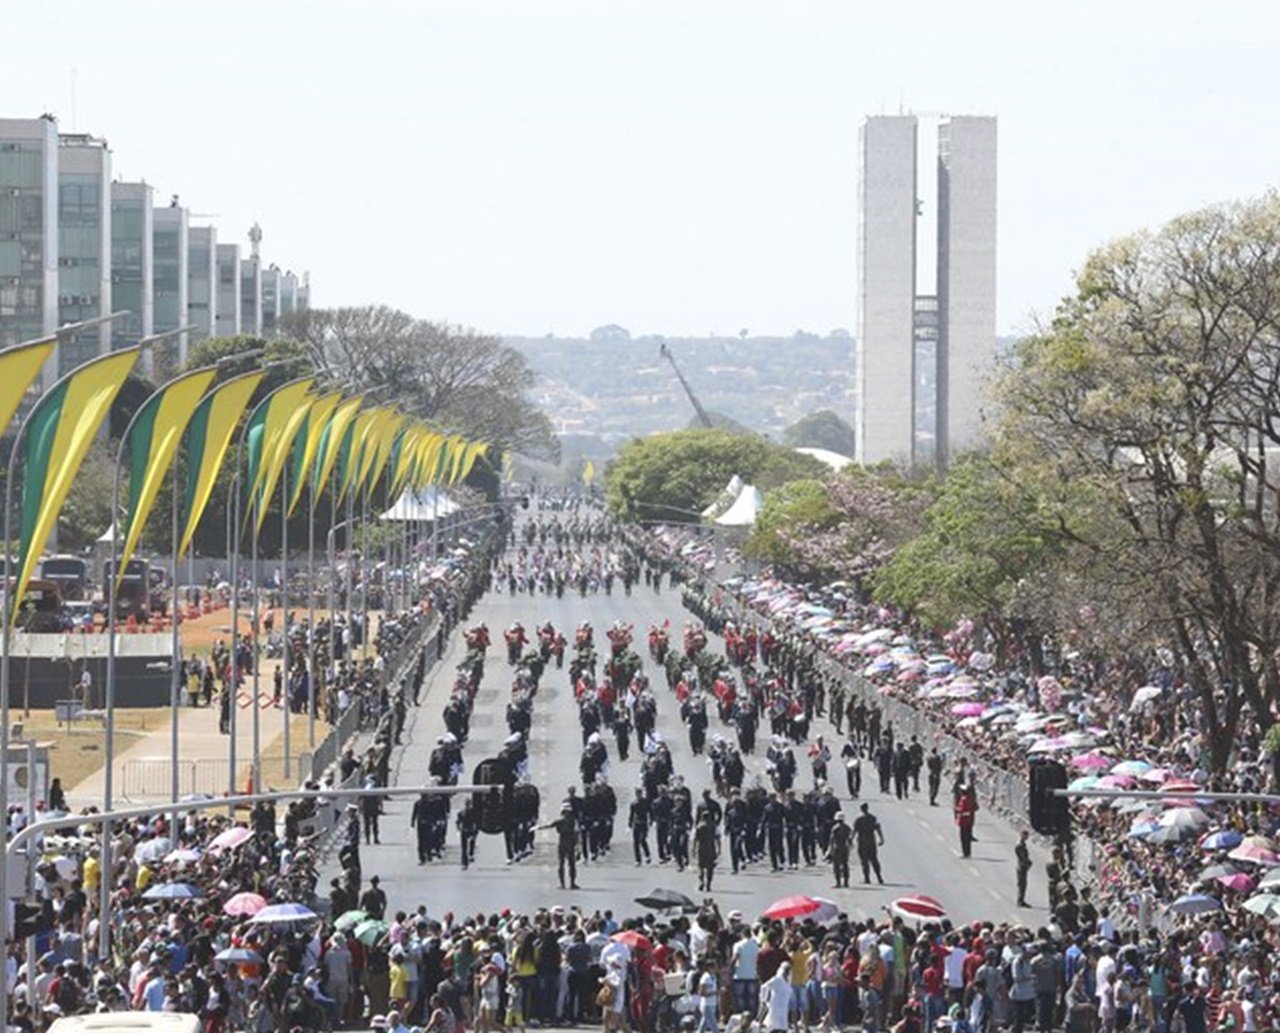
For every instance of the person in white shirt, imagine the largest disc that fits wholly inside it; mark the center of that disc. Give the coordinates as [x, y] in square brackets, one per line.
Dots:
[1105, 967]
[775, 1000]
[746, 978]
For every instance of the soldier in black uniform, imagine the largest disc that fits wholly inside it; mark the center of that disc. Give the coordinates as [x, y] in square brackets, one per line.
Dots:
[916, 752]
[934, 764]
[708, 807]
[884, 764]
[638, 821]
[838, 850]
[622, 731]
[679, 836]
[756, 798]
[775, 823]
[566, 827]
[901, 771]
[468, 831]
[826, 808]
[794, 810]
[706, 841]
[745, 721]
[421, 821]
[735, 825]
[662, 808]
[869, 836]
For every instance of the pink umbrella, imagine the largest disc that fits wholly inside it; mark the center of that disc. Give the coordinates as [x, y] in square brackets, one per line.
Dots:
[230, 838]
[1240, 882]
[1115, 782]
[792, 907]
[244, 904]
[967, 709]
[1255, 853]
[1091, 761]
[1180, 785]
[1156, 775]
[909, 676]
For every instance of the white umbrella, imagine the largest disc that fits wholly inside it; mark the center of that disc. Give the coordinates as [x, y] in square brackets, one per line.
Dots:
[152, 850]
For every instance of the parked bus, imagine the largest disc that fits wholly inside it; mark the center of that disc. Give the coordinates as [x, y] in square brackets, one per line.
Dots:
[71, 573]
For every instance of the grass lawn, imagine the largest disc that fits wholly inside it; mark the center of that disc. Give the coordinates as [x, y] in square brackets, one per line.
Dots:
[77, 752]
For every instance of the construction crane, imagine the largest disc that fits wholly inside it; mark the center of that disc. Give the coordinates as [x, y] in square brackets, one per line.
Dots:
[703, 418]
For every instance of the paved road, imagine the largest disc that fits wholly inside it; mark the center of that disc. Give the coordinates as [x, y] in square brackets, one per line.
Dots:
[921, 852]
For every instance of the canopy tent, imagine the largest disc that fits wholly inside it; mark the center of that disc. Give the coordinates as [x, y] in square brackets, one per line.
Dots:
[832, 459]
[725, 499]
[745, 508]
[427, 504]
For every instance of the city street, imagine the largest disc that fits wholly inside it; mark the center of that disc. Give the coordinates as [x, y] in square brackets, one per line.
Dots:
[921, 852]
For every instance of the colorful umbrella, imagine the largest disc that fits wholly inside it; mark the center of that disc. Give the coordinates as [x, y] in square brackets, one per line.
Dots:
[348, 920]
[370, 931]
[1091, 762]
[919, 906]
[1223, 839]
[152, 850]
[792, 907]
[967, 709]
[1132, 768]
[1254, 853]
[274, 914]
[1238, 883]
[173, 891]
[229, 839]
[633, 939]
[183, 856]
[1084, 782]
[244, 904]
[242, 955]
[1195, 904]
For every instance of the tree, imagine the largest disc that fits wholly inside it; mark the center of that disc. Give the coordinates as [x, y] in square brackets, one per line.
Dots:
[984, 543]
[86, 513]
[1154, 396]
[789, 511]
[821, 429]
[610, 332]
[719, 421]
[672, 477]
[877, 511]
[456, 378]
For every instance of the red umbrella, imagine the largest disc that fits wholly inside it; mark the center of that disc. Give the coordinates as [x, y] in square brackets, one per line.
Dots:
[633, 939]
[919, 906]
[244, 904]
[792, 907]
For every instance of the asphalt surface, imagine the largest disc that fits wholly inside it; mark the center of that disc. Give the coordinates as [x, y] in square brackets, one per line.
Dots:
[921, 852]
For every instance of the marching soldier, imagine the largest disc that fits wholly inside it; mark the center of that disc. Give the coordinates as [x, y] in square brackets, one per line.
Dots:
[638, 821]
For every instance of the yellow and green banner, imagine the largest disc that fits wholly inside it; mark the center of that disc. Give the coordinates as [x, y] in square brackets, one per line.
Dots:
[351, 458]
[306, 443]
[60, 430]
[19, 367]
[208, 435]
[266, 425]
[332, 439]
[274, 464]
[470, 454]
[153, 442]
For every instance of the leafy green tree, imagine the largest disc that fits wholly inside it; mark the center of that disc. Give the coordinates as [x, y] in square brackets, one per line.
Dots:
[821, 429]
[1154, 394]
[789, 511]
[86, 513]
[673, 477]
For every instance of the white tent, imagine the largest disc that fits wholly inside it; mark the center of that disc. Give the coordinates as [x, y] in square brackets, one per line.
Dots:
[427, 504]
[744, 510]
[833, 459]
[725, 499]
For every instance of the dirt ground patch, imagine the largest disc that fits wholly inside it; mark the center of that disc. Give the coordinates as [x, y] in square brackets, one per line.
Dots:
[76, 752]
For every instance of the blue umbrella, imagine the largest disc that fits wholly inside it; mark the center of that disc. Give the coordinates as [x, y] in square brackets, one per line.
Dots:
[1223, 839]
[173, 891]
[283, 913]
[1195, 904]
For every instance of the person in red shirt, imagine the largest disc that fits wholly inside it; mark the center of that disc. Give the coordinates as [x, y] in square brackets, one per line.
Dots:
[966, 810]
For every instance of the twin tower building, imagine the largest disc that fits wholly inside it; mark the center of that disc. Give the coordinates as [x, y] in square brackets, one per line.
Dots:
[926, 339]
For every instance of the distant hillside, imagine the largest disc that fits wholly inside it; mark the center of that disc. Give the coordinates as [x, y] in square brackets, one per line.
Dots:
[604, 390]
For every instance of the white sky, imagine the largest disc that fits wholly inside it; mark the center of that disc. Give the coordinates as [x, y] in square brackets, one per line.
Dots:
[533, 166]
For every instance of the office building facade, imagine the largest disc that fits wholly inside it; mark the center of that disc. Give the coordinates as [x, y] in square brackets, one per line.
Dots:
[924, 352]
[270, 301]
[202, 282]
[28, 230]
[250, 297]
[169, 285]
[227, 322]
[84, 247]
[132, 265]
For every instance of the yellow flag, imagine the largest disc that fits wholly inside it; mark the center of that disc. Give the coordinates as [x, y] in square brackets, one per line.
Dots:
[362, 443]
[317, 420]
[279, 456]
[342, 417]
[282, 406]
[429, 460]
[60, 429]
[19, 367]
[153, 442]
[406, 457]
[474, 452]
[588, 472]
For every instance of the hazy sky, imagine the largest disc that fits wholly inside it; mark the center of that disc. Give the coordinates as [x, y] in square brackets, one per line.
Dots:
[535, 166]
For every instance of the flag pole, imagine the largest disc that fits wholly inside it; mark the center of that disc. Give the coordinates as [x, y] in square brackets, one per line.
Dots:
[284, 612]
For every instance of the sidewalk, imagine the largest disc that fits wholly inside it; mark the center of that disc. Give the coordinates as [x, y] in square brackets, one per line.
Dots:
[198, 739]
